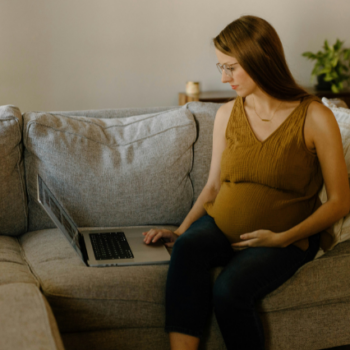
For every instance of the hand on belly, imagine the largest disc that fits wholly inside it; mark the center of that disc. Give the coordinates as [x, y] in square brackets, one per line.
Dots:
[259, 238]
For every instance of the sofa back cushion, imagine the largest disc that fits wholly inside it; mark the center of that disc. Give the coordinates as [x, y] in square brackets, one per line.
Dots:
[13, 200]
[204, 115]
[111, 171]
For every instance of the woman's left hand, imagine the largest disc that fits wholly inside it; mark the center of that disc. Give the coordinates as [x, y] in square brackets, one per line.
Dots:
[260, 238]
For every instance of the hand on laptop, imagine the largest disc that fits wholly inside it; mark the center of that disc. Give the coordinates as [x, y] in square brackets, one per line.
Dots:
[167, 236]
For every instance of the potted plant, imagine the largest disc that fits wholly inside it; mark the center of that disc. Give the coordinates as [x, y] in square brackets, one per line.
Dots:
[330, 67]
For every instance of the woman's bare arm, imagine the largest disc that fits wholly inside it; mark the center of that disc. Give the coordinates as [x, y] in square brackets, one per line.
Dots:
[328, 143]
[212, 187]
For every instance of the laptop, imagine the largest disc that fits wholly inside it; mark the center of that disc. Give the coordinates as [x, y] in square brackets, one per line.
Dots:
[112, 246]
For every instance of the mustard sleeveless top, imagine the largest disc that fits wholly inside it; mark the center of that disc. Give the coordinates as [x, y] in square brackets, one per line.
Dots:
[270, 185]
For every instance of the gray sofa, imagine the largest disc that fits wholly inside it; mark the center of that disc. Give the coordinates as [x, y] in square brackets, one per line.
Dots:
[127, 167]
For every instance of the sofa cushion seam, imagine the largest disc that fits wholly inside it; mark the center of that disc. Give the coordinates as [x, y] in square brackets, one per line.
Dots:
[344, 299]
[23, 186]
[19, 282]
[61, 296]
[29, 266]
[109, 329]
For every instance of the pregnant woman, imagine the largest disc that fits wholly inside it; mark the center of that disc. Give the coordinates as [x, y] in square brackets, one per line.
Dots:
[259, 215]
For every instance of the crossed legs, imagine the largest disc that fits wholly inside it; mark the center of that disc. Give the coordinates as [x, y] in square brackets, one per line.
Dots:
[247, 276]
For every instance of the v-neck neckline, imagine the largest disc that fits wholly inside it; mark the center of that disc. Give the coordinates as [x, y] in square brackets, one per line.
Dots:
[274, 132]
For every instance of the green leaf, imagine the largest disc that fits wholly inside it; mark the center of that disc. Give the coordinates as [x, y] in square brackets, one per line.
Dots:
[334, 61]
[334, 75]
[346, 54]
[338, 45]
[328, 77]
[330, 56]
[309, 55]
[339, 68]
[314, 71]
[334, 88]
[326, 46]
[324, 71]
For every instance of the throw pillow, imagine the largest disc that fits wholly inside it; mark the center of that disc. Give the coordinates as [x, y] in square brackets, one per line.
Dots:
[341, 229]
[334, 103]
[114, 171]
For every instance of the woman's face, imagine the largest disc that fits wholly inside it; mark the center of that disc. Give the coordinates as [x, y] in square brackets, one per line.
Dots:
[240, 81]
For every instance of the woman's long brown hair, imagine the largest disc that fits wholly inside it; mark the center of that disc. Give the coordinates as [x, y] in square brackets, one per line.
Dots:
[258, 49]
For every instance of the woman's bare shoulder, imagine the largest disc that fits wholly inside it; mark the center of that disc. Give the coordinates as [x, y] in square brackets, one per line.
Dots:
[317, 107]
[320, 124]
[318, 115]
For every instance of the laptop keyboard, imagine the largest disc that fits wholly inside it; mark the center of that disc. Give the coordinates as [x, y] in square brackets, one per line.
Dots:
[110, 245]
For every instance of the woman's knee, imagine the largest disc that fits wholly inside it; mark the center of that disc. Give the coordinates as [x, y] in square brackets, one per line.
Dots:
[191, 246]
[186, 243]
[202, 242]
[229, 295]
[192, 237]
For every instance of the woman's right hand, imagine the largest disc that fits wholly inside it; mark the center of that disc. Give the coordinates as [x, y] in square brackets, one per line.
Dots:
[167, 236]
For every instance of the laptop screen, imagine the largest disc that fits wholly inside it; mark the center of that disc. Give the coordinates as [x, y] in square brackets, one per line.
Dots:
[59, 216]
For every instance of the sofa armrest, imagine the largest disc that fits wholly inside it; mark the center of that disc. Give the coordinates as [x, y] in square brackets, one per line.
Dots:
[26, 319]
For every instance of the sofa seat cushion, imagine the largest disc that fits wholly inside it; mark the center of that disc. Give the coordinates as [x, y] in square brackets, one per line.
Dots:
[85, 298]
[13, 199]
[91, 298]
[26, 319]
[13, 268]
[321, 281]
[111, 171]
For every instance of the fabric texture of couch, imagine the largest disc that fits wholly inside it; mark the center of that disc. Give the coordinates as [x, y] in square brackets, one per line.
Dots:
[131, 167]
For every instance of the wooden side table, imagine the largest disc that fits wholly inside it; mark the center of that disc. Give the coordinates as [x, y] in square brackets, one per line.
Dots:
[207, 96]
[225, 96]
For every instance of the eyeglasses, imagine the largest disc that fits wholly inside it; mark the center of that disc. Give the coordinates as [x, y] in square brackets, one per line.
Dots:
[228, 70]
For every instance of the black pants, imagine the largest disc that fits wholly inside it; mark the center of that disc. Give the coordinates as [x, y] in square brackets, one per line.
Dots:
[248, 275]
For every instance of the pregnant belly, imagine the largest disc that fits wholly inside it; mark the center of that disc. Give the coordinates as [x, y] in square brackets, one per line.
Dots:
[246, 207]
